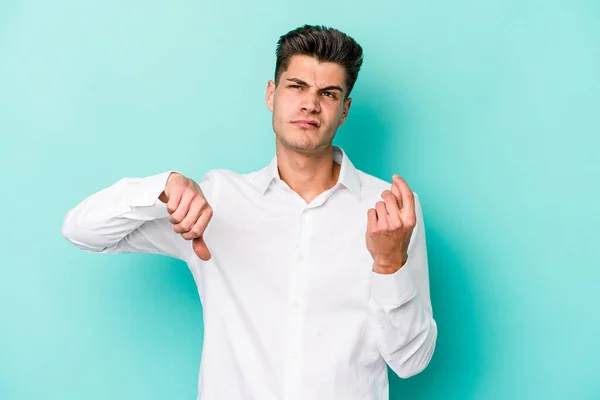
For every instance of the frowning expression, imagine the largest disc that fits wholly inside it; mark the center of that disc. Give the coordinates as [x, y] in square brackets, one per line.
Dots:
[308, 103]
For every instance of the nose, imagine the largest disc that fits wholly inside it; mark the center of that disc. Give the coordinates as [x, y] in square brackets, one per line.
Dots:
[310, 102]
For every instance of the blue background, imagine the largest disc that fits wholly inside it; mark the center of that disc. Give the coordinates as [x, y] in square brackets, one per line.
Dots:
[489, 109]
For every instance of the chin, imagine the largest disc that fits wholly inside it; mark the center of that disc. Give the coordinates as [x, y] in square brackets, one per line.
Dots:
[303, 140]
[305, 145]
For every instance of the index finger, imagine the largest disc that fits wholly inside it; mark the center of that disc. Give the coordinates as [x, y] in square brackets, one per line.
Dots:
[408, 197]
[397, 194]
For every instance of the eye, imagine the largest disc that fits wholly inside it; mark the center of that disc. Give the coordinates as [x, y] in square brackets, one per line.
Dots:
[329, 94]
[296, 86]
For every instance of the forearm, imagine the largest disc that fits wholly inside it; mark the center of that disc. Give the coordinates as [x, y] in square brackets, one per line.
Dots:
[407, 332]
[105, 218]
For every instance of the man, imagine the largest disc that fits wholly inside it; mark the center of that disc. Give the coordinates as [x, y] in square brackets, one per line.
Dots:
[312, 274]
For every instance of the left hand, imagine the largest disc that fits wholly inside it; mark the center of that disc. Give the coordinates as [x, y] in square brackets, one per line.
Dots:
[389, 227]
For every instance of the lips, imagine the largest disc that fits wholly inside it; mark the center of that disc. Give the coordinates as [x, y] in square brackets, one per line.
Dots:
[306, 123]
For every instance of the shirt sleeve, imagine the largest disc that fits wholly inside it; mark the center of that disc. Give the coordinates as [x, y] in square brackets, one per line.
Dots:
[406, 330]
[127, 217]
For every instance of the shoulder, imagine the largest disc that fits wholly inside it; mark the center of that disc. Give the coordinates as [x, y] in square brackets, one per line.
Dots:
[226, 176]
[219, 181]
[371, 186]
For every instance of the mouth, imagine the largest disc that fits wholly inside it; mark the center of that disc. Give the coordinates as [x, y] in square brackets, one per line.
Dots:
[306, 123]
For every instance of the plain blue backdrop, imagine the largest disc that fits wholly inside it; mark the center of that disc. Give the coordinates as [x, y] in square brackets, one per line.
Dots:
[489, 109]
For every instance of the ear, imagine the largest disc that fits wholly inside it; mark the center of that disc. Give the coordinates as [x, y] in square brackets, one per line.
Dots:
[347, 104]
[270, 93]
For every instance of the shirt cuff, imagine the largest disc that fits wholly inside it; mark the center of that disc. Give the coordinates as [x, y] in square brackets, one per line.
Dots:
[145, 196]
[393, 289]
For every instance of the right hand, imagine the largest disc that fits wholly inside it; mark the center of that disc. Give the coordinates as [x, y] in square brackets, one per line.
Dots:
[190, 212]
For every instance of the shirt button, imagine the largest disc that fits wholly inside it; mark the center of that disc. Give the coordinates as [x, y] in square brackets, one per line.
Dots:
[296, 305]
[300, 258]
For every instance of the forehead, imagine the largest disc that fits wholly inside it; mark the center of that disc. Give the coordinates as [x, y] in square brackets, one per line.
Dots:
[314, 72]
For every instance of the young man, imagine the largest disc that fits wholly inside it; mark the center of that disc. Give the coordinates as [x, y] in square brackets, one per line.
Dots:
[312, 274]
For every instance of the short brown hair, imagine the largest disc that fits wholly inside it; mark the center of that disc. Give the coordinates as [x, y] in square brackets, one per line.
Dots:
[323, 43]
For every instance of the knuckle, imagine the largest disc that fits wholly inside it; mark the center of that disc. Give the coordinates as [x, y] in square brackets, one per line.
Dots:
[197, 229]
[190, 193]
[177, 189]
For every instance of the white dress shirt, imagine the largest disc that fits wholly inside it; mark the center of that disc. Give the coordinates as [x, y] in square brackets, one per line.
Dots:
[292, 309]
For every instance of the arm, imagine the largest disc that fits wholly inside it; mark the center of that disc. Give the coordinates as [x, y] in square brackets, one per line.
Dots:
[407, 332]
[127, 217]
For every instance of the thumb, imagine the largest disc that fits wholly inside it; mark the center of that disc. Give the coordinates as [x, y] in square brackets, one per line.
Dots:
[200, 248]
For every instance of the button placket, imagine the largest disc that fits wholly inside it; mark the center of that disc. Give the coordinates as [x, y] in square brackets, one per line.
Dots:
[293, 383]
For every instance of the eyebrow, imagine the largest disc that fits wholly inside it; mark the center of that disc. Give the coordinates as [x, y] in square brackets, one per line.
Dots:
[328, 88]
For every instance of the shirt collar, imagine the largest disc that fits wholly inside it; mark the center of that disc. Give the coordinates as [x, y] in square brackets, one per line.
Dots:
[348, 173]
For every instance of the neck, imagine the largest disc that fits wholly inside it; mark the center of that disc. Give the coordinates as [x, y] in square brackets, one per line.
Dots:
[307, 173]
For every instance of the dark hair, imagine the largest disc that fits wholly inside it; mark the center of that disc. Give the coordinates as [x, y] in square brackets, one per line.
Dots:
[323, 43]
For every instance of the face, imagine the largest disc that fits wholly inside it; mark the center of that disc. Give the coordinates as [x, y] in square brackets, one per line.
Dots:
[308, 103]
